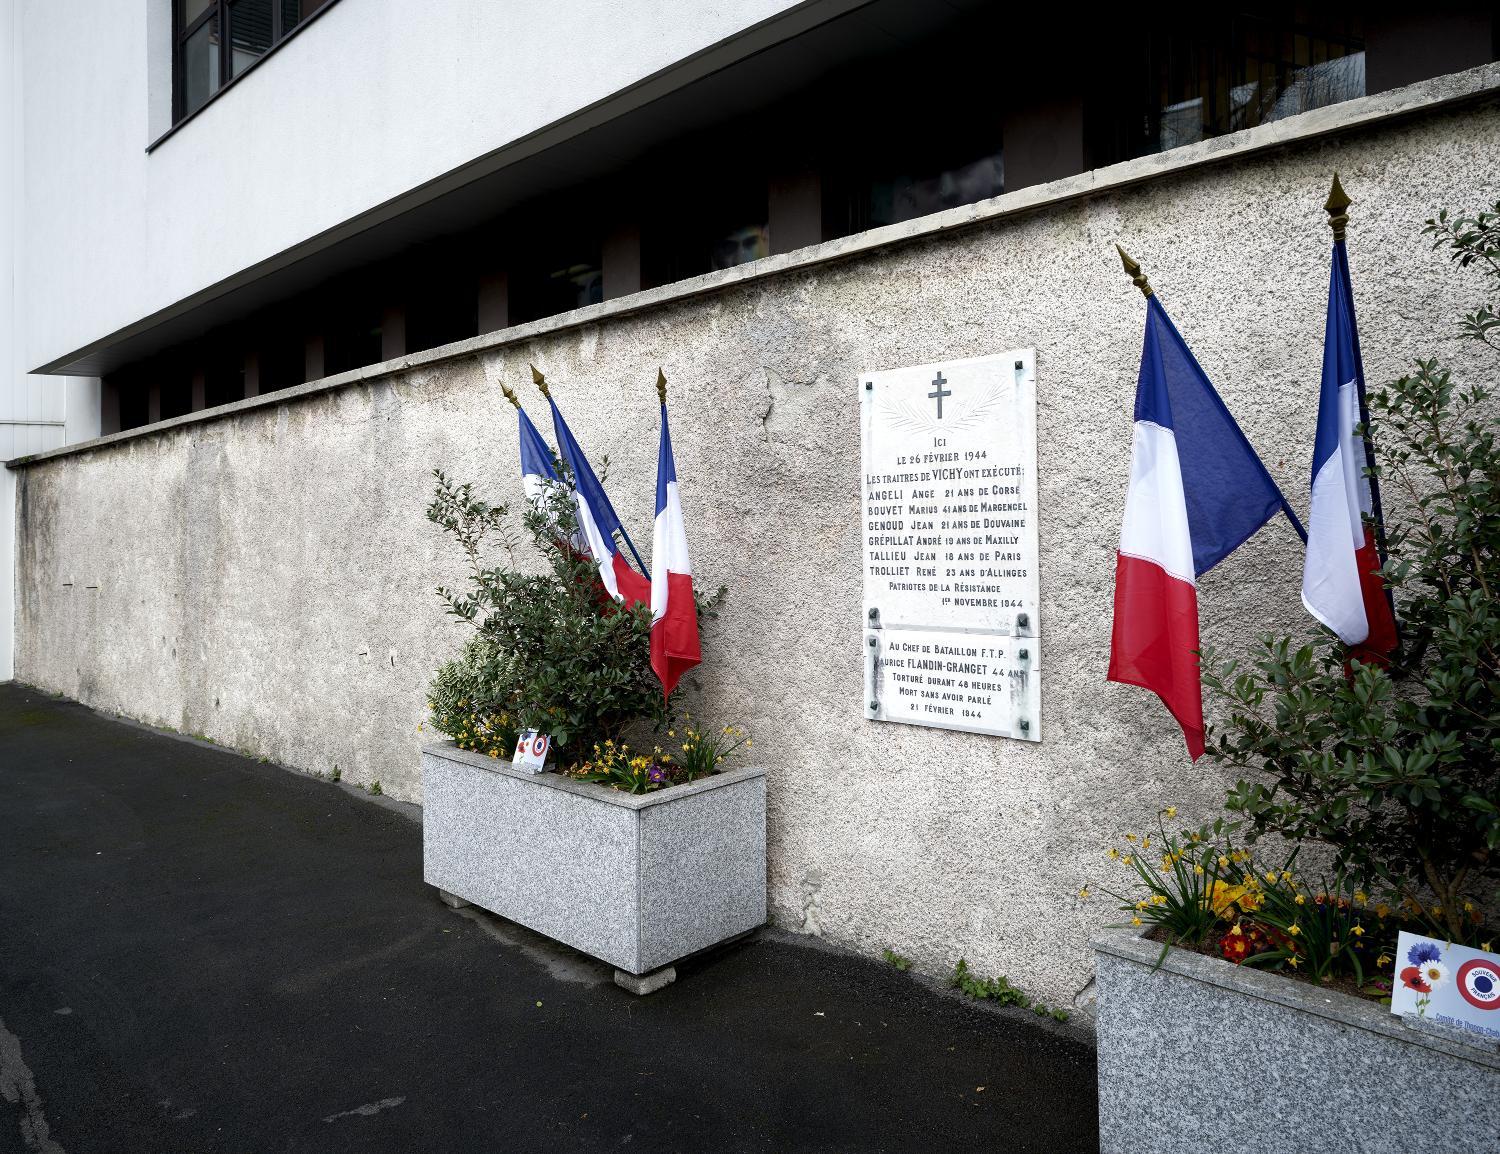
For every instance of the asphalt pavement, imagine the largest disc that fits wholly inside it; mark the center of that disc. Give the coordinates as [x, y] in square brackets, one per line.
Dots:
[200, 952]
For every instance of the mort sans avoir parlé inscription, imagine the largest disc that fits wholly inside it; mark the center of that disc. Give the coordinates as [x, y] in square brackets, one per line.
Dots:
[951, 635]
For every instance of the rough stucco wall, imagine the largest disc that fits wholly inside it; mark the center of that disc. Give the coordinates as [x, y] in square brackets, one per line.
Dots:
[266, 578]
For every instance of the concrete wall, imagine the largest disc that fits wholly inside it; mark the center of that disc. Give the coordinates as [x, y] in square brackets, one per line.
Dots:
[36, 413]
[403, 93]
[265, 577]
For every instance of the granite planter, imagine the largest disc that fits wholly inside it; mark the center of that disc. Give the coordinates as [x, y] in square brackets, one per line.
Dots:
[638, 881]
[1202, 1054]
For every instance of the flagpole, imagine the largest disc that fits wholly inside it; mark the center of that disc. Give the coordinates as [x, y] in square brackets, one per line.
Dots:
[1337, 208]
[541, 384]
[1138, 278]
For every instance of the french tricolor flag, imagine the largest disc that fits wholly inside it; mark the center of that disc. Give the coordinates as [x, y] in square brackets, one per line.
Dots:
[1341, 583]
[1197, 491]
[674, 614]
[537, 473]
[597, 521]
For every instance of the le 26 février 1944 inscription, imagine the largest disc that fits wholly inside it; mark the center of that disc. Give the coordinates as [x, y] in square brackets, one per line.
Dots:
[951, 635]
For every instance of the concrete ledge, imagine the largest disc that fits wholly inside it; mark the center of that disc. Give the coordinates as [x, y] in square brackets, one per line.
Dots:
[1304, 997]
[1199, 1047]
[590, 789]
[1426, 97]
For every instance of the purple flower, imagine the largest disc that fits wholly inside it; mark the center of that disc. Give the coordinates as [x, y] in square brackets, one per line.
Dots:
[1423, 952]
[656, 774]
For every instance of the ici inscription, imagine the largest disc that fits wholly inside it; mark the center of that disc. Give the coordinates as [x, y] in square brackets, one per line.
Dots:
[951, 633]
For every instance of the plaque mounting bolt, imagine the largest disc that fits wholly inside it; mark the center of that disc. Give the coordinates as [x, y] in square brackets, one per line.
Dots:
[874, 613]
[1025, 725]
[1020, 365]
[1022, 620]
[872, 643]
[869, 386]
[1024, 654]
[875, 706]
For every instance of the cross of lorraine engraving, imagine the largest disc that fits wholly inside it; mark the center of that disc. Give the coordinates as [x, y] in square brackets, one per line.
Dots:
[938, 393]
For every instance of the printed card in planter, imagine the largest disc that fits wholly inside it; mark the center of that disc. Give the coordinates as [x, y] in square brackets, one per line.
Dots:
[1445, 983]
[531, 751]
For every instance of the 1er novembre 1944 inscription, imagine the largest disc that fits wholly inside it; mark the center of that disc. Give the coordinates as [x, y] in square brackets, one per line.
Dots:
[950, 585]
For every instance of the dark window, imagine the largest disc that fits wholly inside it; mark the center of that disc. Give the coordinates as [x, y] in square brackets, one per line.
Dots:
[176, 385]
[224, 373]
[351, 339]
[1217, 72]
[135, 405]
[282, 360]
[216, 40]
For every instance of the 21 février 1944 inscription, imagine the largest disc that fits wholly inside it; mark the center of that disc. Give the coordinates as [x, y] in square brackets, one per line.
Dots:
[951, 636]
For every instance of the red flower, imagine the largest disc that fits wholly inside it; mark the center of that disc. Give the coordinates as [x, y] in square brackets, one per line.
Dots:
[1411, 978]
[1234, 947]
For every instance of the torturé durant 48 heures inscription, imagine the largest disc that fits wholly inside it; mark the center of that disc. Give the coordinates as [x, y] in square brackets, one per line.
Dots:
[951, 635]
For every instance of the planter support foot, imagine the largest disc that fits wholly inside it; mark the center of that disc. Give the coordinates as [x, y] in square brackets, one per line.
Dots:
[641, 984]
[452, 901]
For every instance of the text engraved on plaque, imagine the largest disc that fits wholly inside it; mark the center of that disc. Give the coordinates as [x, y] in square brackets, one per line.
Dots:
[951, 635]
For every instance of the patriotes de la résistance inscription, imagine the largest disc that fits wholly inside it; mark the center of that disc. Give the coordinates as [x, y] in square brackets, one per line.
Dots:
[951, 632]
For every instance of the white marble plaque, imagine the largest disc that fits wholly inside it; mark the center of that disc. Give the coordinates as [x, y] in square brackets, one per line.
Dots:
[951, 635]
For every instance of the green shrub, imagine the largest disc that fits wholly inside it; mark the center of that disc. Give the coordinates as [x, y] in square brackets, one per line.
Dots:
[1398, 769]
[553, 652]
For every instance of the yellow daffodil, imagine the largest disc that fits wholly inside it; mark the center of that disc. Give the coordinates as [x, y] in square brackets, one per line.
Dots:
[1135, 921]
[1292, 961]
[1357, 930]
[1382, 910]
[1197, 869]
[1223, 862]
[1294, 929]
[1084, 893]
[1171, 811]
[1383, 960]
[1271, 876]
[1235, 929]
[1113, 853]
[1301, 900]
[1130, 837]
[1485, 946]
[1360, 897]
[1146, 842]
[1128, 860]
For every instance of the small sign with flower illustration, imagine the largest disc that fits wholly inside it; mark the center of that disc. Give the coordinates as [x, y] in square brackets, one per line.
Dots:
[1447, 983]
[531, 751]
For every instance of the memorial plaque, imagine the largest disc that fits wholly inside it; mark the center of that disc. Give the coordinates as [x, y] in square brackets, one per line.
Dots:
[951, 635]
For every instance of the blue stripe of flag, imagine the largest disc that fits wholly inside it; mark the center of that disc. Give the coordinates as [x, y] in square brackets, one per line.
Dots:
[666, 467]
[1228, 490]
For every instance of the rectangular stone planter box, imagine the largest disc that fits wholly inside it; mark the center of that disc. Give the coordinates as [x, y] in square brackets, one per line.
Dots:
[1202, 1054]
[636, 880]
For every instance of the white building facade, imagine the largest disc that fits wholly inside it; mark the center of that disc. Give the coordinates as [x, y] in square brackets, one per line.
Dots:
[281, 254]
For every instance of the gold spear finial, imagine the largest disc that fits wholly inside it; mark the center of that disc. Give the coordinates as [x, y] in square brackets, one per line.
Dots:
[510, 394]
[661, 385]
[540, 382]
[1133, 270]
[1337, 208]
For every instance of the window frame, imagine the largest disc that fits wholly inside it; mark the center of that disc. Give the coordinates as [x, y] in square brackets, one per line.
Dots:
[217, 14]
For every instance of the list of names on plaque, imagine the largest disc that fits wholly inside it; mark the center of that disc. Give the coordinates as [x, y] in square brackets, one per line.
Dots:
[949, 512]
